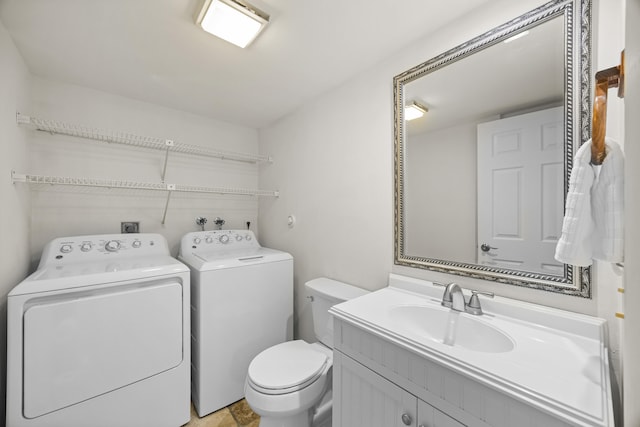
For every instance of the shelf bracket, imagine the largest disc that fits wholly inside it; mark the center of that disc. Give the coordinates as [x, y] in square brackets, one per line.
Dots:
[170, 189]
[168, 143]
[21, 119]
[17, 177]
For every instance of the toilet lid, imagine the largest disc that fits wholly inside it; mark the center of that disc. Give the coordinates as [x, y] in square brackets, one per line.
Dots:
[287, 365]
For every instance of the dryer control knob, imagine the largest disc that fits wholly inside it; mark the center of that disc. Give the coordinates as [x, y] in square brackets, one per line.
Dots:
[247, 237]
[209, 239]
[112, 245]
[65, 249]
[197, 240]
[238, 237]
[223, 239]
[85, 247]
[136, 243]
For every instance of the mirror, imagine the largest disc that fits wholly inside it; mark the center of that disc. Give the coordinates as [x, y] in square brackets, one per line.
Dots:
[481, 177]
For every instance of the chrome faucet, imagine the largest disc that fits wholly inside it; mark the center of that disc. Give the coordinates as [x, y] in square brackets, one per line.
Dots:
[453, 297]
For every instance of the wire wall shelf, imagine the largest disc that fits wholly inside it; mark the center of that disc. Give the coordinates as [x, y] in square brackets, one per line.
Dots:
[134, 185]
[152, 143]
[146, 142]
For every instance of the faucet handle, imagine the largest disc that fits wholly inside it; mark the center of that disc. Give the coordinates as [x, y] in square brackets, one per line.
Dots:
[486, 294]
[473, 307]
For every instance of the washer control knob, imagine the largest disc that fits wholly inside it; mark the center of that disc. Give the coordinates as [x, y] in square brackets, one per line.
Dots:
[85, 247]
[247, 237]
[238, 237]
[197, 240]
[209, 239]
[136, 243]
[112, 245]
[65, 249]
[223, 239]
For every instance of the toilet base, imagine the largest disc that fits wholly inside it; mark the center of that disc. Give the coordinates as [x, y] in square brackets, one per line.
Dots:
[321, 417]
[322, 413]
[296, 420]
[325, 423]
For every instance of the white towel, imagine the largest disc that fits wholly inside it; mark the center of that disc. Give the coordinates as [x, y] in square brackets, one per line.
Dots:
[607, 206]
[594, 213]
[574, 245]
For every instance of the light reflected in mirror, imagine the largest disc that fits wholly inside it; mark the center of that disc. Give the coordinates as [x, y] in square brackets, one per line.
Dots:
[481, 176]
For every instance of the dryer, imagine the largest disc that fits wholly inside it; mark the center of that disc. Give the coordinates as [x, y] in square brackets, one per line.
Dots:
[99, 335]
[242, 304]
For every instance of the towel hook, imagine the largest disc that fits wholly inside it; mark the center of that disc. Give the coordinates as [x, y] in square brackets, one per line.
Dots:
[605, 79]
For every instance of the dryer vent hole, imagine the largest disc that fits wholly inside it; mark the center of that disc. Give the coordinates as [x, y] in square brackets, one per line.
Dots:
[130, 227]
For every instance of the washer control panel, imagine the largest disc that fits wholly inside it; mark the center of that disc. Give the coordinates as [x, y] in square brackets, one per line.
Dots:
[88, 248]
[218, 240]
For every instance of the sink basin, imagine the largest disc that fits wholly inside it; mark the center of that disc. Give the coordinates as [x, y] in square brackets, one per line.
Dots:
[451, 328]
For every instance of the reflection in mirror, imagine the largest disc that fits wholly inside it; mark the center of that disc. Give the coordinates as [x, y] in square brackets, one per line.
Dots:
[481, 176]
[451, 134]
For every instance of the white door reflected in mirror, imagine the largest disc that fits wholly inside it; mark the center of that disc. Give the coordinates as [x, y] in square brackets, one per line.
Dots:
[520, 191]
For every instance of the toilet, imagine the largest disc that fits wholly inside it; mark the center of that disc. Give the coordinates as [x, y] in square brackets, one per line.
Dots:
[289, 384]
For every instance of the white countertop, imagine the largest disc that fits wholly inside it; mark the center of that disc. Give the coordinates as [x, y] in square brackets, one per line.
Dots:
[559, 361]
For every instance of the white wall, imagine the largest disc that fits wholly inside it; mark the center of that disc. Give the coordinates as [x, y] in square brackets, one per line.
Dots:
[61, 211]
[334, 168]
[632, 199]
[14, 214]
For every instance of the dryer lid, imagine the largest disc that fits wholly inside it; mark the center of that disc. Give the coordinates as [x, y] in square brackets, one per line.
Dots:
[287, 365]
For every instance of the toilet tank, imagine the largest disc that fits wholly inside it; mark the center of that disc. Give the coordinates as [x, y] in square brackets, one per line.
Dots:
[324, 294]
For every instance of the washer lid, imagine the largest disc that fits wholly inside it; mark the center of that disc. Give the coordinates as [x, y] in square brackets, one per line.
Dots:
[287, 365]
[238, 258]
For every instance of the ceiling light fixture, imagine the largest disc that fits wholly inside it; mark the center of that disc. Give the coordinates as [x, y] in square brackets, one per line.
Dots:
[414, 110]
[232, 20]
[516, 37]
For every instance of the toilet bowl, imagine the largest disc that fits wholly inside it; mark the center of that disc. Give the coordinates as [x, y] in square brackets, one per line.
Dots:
[289, 384]
[285, 381]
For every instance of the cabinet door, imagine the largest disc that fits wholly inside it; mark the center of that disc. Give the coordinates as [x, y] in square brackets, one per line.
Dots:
[363, 398]
[428, 416]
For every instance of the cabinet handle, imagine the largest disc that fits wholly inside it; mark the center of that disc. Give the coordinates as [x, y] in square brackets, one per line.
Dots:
[406, 419]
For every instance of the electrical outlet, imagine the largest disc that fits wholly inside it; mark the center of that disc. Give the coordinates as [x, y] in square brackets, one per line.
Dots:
[130, 227]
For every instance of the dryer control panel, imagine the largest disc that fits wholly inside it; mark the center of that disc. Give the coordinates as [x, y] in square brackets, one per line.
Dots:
[96, 247]
[218, 240]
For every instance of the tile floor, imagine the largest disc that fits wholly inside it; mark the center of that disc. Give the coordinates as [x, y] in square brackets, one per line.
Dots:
[237, 414]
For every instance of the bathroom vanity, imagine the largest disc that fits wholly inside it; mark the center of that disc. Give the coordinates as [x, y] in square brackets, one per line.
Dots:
[401, 359]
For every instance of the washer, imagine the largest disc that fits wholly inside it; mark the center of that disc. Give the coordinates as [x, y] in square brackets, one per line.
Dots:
[99, 335]
[241, 304]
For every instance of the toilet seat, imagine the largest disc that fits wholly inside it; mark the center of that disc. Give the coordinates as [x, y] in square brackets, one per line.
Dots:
[286, 368]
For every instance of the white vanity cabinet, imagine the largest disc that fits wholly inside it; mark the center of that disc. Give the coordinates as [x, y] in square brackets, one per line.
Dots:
[428, 416]
[365, 399]
[399, 351]
[376, 381]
